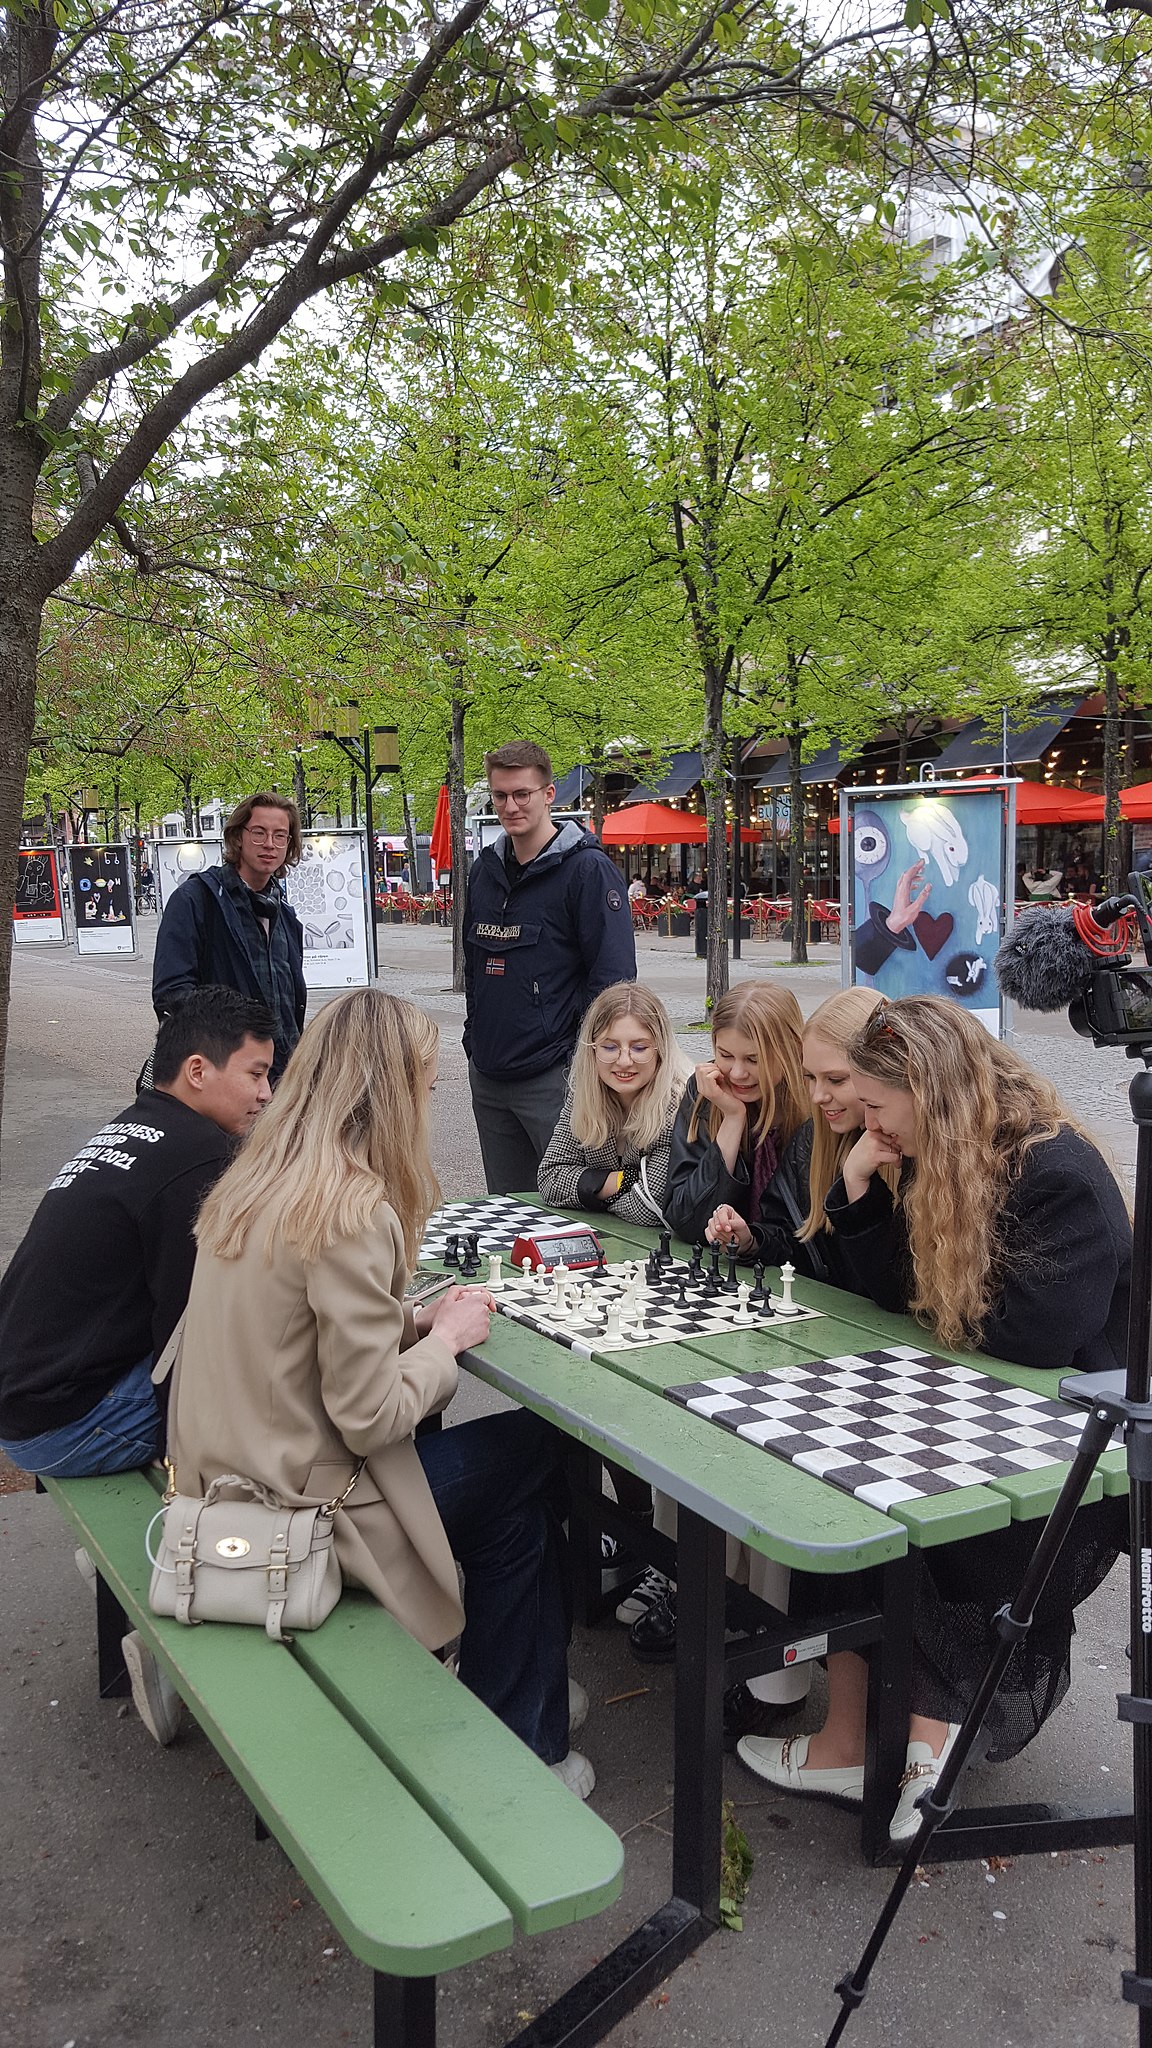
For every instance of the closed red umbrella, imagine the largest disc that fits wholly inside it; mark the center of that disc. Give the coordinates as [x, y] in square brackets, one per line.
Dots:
[441, 847]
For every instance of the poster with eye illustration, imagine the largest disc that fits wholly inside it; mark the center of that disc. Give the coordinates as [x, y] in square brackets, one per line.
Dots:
[328, 893]
[924, 890]
[38, 913]
[102, 902]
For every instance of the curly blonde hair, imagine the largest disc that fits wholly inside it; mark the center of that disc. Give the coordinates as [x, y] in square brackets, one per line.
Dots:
[346, 1130]
[838, 1021]
[771, 1018]
[979, 1110]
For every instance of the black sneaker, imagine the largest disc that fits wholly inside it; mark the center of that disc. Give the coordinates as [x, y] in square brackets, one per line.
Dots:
[744, 1714]
[653, 1637]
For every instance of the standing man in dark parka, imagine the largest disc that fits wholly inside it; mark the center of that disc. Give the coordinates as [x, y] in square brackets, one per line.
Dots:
[233, 924]
[547, 926]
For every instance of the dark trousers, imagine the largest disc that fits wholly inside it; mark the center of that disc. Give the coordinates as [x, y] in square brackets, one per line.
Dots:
[515, 1120]
[498, 1485]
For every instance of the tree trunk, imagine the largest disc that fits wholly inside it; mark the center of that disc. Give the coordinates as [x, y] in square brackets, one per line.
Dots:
[902, 750]
[714, 762]
[19, 643]
[456, 802]
[410, 843]
[1111, 740]
[189, 819]
[796, 841]
[300, 790]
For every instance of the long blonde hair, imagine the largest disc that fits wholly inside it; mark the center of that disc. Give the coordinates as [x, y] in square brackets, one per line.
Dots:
[346, 1130]
[597, 1112]
[838, 1020]
[979, 1111]
[771, 1018]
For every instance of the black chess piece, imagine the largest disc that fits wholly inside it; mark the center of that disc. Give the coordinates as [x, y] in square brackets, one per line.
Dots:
[733, 1279]
[759, 1293]
[665, 1248]
[601, 1261]
[682, 1290]
[470, 1263]
[652, 1272]
[452, 1249]
[696, 1265]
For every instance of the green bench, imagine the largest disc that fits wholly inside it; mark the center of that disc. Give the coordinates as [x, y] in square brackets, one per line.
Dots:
[427, 1832]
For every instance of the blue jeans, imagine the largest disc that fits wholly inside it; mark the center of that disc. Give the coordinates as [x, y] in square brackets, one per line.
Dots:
[122, 1432]
[498, 1485]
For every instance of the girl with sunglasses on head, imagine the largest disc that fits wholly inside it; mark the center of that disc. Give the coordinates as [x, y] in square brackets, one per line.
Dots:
[791, 1223]
[1007, 1235]
[739, 1110]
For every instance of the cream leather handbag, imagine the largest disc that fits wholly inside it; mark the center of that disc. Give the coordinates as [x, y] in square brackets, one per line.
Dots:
[248, 1560]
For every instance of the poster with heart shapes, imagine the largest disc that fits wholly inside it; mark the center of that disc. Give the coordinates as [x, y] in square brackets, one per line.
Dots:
[927, 864]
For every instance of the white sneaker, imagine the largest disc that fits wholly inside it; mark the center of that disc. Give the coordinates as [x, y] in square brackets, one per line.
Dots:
[652, 1588]
[86, 1569]
[922, 1770]
[576, 1772]
[154, 1696]
[577, 1705]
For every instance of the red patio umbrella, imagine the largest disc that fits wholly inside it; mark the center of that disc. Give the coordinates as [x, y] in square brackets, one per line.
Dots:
[441, 848]
[1044, 803]
[654, 825]
[1137, 802]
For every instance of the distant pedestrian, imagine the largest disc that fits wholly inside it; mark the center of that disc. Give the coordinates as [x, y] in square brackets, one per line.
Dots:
[547, 926]
[232, 924]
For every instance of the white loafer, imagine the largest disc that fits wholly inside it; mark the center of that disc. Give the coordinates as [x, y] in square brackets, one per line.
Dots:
[784, 1763]
[922, 1770]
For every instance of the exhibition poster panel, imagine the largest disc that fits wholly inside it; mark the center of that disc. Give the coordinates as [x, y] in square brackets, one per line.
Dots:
[173, 860]
[102, 899]
[38, 913]
[327, 892]
[927, 890]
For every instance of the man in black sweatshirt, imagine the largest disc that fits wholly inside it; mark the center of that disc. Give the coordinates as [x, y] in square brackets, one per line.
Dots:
[101, 1279]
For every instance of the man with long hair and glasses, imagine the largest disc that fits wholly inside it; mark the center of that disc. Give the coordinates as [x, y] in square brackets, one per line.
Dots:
[547, 926]
[233, 925]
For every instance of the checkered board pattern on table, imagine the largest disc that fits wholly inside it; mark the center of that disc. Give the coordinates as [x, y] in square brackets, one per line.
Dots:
[656, 1314]
[497, 1221]
[890, 1425]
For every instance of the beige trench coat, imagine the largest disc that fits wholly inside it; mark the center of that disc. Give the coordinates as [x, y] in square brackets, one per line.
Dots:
[290, 1374]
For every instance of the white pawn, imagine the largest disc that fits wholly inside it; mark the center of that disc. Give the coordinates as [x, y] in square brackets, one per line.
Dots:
[787, 1275]
[743, 1312]
[526, 1268]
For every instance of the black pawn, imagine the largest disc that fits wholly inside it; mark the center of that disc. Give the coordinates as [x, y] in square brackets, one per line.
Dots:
[733, 1279]
[682, 1291]
[601, 1261]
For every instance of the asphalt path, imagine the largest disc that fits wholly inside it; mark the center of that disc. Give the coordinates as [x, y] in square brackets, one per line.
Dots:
[137, 1906]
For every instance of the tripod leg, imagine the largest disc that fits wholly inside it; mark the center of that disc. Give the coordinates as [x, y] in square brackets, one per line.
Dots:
[1012, 1624]
[1136, 1707]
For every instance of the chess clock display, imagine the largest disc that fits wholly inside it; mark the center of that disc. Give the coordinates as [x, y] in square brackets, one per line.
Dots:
[578, 1249]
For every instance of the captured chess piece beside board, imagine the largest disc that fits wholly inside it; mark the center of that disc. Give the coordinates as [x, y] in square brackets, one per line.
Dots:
[557, 1280]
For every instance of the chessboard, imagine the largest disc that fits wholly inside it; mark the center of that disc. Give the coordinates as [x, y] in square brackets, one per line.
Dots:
[625, 1306]
[892, 1425]
[496, 1220]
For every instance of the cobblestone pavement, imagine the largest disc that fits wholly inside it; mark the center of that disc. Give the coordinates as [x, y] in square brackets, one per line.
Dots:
[137, 1906]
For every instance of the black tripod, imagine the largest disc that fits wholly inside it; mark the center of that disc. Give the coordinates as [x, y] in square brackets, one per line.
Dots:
[1114, 1401]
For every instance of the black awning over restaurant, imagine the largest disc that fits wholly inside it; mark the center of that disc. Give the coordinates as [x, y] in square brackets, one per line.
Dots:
[823, 767]
[980, 746]
[682, 774]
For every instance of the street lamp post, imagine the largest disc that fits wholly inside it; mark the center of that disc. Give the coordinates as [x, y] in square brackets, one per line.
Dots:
[372, 750]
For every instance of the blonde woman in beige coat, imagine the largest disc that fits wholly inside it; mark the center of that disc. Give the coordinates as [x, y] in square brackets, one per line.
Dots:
[299, 1357]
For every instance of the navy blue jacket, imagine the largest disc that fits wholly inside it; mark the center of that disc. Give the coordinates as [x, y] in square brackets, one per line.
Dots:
[538, 948]
[209, 933]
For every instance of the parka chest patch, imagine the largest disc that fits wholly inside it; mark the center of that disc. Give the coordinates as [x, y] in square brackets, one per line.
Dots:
[495, 965]
[498, 931]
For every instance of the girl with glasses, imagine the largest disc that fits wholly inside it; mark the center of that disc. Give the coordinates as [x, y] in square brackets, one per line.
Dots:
[610, 1147]
[1005, 1234]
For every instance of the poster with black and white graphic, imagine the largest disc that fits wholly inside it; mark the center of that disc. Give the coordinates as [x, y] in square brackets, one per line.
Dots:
[328, 893]
[38, 913]
[173, 860]
[102, 899]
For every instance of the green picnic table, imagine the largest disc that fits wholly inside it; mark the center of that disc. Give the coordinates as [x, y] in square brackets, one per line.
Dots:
[612, 1406]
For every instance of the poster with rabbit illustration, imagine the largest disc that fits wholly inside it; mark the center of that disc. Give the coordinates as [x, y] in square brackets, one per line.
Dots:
[924, 887]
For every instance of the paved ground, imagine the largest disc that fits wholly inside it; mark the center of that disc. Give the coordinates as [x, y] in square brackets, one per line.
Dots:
[138, 1908]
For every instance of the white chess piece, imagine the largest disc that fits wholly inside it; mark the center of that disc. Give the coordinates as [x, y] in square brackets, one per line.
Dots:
[526, 1268]
[788, 1307]
[612, 1329]
[743, 1312]
[495, 1262]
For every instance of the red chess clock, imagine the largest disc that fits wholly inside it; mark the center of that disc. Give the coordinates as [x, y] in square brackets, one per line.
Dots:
[573, 1248]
